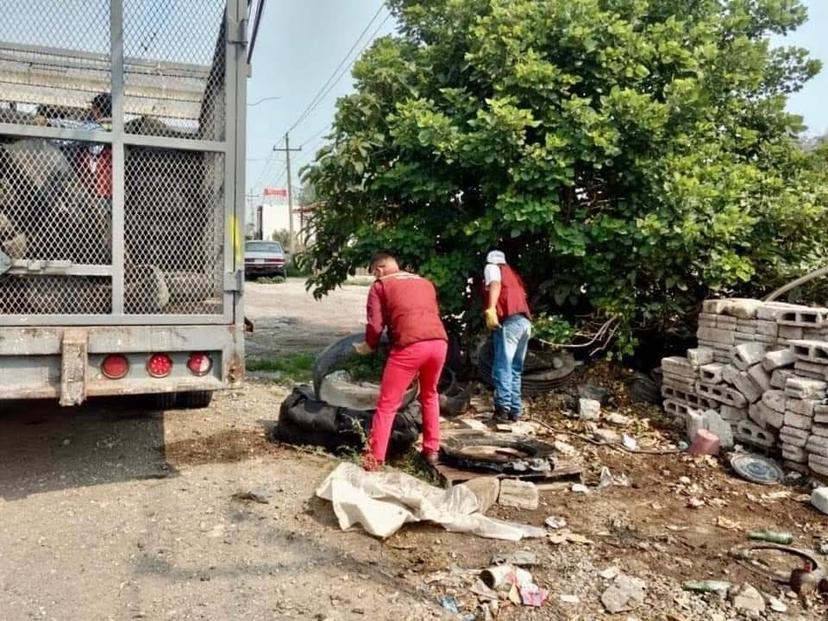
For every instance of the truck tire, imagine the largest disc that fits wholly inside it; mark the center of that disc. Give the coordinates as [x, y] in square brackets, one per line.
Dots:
[194, 400]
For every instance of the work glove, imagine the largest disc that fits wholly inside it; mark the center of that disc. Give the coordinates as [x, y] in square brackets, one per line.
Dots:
[490, 315]
[362, 348]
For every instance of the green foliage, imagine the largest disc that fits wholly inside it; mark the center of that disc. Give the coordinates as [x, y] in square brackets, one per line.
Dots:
[365, 368]
[295, 367]
[282, 236]
[552, 329]
[630, 156]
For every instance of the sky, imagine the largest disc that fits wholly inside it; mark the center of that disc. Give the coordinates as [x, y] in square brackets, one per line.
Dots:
[301, 42]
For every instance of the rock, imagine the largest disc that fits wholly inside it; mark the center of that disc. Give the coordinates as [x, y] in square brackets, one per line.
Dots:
[625, 593]
[819, 499]
[618, 419]
[607, 435]
[521, 558]
[555, 522]
[609, 573]
[579, 488]
[564, 448]
[486, 489]
[589, 409]
[570, 599]
[747, 598]
[777, 605]
[594, 393]
[518, 494]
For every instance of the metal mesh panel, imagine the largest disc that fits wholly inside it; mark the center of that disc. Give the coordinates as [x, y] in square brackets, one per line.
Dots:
[55, 295]
[174, 68]
[55, 201]
[174, 231]
[54, 58]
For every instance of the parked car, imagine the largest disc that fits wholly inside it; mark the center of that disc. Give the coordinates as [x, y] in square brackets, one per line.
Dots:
[264, 258]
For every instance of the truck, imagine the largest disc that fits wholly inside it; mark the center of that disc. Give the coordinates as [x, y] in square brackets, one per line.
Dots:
[122, 199]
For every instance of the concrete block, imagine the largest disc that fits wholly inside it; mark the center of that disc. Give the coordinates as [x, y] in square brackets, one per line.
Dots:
[771, 311]
[790, 333]
[693, 423]
[519, 494]
[722, 357]
[747, 355]
[775, 400]
[713, 307]
[819, 429]
[818, 460]
[729, 374]
[714, 423]
[768, 341]
[809, 375]
[759, 376]
[816, 467]
[700, 356]
[745, 326]
[803, 407]
[819, 499]
[707, 320]
[794, 436]
[772, 418]
[678, 381]
[486, 489]
[743, 339]
[801, 388]
[804, 367]
[711, 373]
[740, 308]
[780, 377]
[766, 328]
[722, 394]
[756, 413]
[817, 445]
[745, 385]
[778, 359]
[690, 398]
[677, 365]
[725, 322]
[715, 335]
[751, 433]
[794, 453]
[803, 318]
[675, 408]
[733, 415]
[798, 421]
[810, 351]
[792, 465]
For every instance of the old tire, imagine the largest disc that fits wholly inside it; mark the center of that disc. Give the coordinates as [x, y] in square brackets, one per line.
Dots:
[194, 400]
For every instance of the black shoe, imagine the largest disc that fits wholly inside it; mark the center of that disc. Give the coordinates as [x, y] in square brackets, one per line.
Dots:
[514, 417]
[501, 415]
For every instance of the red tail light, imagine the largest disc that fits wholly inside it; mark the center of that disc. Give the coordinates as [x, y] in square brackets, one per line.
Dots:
[115, 366]
[159, 365]
[199, 363]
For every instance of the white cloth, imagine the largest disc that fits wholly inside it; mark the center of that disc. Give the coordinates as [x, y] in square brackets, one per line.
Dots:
[491, 273]
[383, 501]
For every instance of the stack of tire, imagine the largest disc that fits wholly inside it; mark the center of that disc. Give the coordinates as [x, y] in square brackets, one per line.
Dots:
[543, 371]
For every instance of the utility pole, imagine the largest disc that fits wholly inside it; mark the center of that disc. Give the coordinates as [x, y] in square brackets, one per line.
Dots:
[287, 151]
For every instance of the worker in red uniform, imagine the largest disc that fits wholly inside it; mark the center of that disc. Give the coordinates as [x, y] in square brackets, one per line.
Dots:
[405, 304]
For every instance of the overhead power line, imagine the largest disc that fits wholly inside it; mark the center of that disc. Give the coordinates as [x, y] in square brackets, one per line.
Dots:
[321, 92]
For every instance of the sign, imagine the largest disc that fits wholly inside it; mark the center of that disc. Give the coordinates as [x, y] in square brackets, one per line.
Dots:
[277, 192]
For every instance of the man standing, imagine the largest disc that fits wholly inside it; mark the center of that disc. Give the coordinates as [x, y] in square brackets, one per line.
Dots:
[405, 304]
[507, 315]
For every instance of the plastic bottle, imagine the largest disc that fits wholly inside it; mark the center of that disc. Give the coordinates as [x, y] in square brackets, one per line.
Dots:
[773, 536]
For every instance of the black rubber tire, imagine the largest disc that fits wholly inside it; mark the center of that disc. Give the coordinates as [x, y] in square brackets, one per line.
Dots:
[452, 450]
[194, 400]
[335, 354]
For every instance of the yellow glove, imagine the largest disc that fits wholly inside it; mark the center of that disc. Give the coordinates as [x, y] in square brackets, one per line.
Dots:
[490, 315]
[362, 348]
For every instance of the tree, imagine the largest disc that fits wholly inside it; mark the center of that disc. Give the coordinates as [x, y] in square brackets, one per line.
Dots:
[631, 156]
[282, 236]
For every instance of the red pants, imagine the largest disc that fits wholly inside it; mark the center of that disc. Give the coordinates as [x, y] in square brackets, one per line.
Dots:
[427, 358]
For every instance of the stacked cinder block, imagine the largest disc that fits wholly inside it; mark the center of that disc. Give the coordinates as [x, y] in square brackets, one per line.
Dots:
[761, 368]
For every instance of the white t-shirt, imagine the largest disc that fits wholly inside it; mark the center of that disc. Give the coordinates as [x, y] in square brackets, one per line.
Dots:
[491, 273]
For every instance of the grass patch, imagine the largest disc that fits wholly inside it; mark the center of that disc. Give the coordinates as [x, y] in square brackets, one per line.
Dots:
[296, 367]
[270, 280]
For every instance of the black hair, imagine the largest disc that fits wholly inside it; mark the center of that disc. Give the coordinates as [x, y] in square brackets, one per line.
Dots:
[382, 255]
[103, 103]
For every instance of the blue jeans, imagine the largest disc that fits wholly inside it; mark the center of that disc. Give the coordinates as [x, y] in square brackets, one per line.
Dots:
[510, 341]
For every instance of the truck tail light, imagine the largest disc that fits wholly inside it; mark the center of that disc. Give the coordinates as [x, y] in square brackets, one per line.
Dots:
[159, 365]
[115, 366]
[199, 363]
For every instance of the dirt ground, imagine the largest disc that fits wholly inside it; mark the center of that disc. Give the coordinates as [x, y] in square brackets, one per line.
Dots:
[111, 511]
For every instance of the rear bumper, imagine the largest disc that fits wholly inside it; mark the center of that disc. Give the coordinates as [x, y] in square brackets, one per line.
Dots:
[262, 270]
[64, 363]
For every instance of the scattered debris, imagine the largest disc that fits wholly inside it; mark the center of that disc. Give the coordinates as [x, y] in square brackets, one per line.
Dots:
[819, 499]
[629, 443]
[625, 593]
[607, 479]
[449, 603]
[579, 488]
[518, 494]
[251, 496]
[723, 522]
[533, 595]
[485, 489]
[618, 419]
[746, 597]
[707, 586]
[567, 536]
[589, 409]
[609, 573]
[503, 577]
[570, 599]
[521, 558]
[555, 522]
[564, 448]
[777, 605]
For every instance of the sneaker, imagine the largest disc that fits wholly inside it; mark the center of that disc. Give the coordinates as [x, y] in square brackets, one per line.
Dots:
[430, 458]
[501, 415]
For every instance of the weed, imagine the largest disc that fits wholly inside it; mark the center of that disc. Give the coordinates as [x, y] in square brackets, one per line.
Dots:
[270, 280]
[295, 367]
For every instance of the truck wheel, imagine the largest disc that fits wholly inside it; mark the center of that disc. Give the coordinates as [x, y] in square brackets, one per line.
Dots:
[195, 400]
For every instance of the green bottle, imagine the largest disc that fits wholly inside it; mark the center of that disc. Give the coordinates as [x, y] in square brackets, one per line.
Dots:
[773, 536]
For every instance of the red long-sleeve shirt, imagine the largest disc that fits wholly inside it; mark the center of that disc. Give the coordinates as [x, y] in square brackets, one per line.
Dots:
[406, 304]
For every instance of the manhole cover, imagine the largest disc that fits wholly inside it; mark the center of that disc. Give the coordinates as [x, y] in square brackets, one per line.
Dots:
[757, 468]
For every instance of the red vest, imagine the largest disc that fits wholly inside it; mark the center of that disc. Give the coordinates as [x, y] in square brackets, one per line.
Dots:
[410, 310]
[512, 300]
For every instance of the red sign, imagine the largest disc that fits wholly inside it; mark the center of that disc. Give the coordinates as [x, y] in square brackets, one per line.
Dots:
[278, 192]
